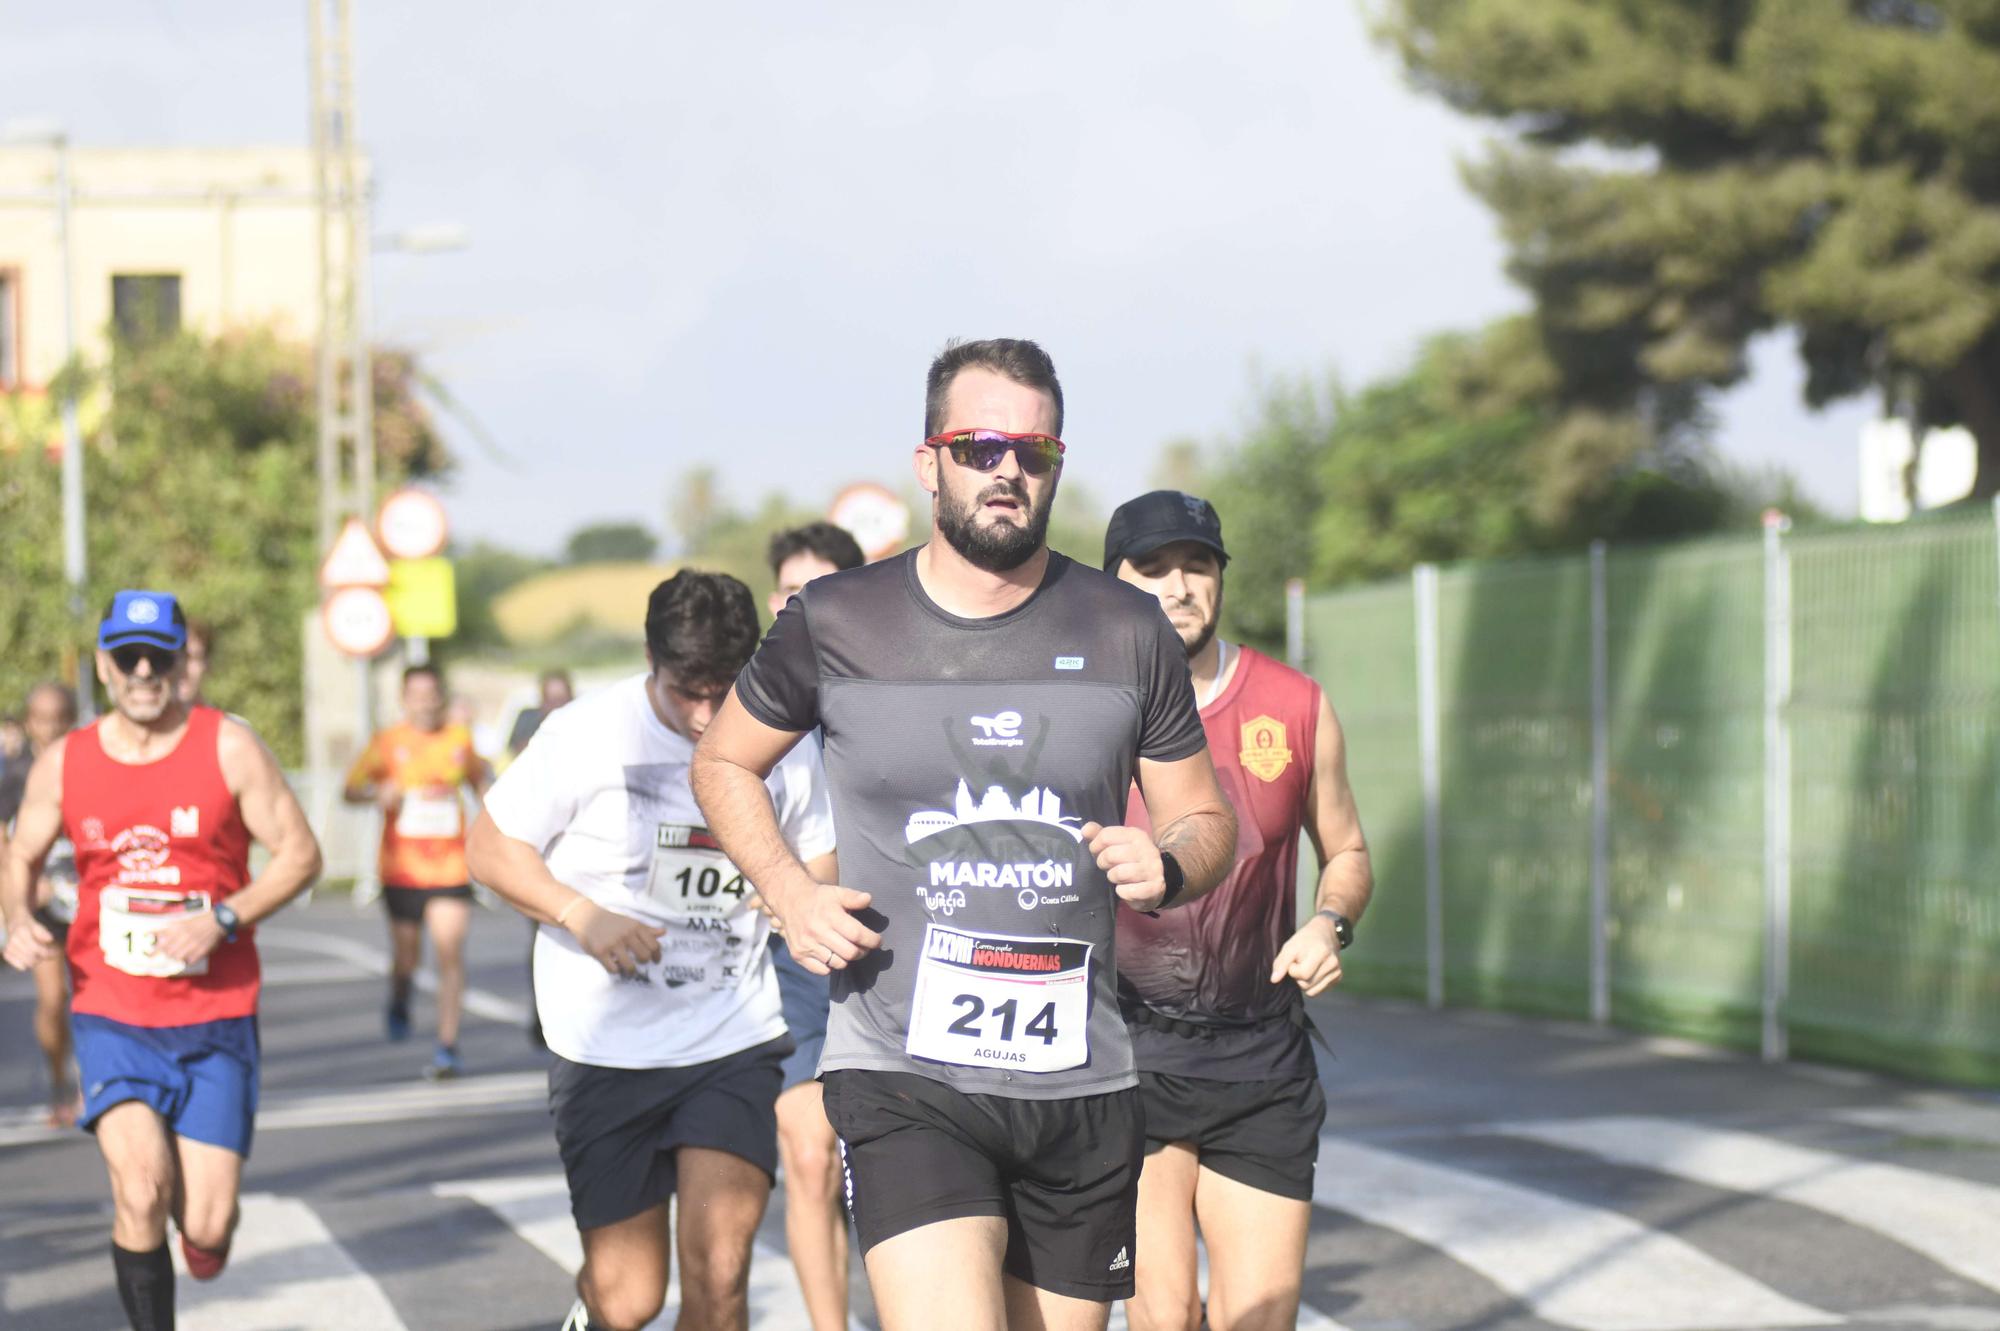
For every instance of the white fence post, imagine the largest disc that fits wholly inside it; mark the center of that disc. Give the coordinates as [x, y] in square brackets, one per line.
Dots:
[1777, 783]
[1600, 791]
[1426, 585]
[1295, 623]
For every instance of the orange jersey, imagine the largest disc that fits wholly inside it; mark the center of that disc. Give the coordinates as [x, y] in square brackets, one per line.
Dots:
[423, 841]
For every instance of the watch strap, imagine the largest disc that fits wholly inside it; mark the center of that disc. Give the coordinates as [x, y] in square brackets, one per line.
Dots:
[1343, 928]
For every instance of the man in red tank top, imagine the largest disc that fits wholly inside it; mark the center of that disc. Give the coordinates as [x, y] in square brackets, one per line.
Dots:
[1213, 991]
[161, 801]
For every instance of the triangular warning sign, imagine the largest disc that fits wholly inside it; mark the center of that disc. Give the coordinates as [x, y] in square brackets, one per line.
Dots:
[354, 560]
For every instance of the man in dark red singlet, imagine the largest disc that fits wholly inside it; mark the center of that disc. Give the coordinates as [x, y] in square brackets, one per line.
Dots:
[1212, 991]
[161, 801]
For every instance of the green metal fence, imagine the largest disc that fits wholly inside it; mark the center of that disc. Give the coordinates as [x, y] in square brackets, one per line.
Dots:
[1745, 791]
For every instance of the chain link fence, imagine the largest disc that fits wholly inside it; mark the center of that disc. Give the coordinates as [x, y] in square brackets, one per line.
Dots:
[1737, 790]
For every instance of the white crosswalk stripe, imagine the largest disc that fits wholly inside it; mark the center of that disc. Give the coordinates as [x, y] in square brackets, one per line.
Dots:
[285, 1271]
[1954, 1222]
[537, 1208]
[1566, 1262]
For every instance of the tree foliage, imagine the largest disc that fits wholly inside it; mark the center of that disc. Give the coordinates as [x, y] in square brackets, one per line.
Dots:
[610, 542]
[199, 478]
[1460, 456]
[1832, 167]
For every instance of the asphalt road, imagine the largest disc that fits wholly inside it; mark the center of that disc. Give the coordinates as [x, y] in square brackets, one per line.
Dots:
[1477, 1172]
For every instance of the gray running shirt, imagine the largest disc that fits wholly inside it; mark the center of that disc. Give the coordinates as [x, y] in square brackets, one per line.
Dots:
[963, 755]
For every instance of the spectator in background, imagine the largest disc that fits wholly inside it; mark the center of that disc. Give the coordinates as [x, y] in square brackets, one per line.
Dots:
[815, 1229]
[557, 691]
[195, 662]
[51, 714]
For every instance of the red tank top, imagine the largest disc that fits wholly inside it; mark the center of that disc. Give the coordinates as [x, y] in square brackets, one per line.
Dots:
[154, 840]
[1209, 962]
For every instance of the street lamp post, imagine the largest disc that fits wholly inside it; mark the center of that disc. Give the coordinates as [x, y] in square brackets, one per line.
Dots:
[75, 565]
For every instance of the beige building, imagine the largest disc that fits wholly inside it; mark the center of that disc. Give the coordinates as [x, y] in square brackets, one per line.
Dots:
[160, 238]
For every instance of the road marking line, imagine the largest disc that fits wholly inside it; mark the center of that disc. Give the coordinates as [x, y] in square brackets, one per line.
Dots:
[1567, 1262]
[1954, 1222]
[1945, 1122]
[537, 1208]
[479, 1002]
[498, 1092]
[285, 1271]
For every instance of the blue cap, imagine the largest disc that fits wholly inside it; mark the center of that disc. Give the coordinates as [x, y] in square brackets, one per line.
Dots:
[148, 617]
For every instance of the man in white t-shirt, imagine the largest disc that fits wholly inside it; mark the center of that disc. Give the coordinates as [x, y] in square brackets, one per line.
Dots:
[652, 972]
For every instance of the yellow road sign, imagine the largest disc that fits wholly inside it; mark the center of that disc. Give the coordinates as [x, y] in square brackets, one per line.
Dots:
[423, 597]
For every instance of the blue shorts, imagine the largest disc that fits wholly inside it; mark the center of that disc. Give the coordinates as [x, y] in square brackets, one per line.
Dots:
[805, 997]
[201, 1079]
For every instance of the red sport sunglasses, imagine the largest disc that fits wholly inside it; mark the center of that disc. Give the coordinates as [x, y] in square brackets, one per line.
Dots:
[981, 450]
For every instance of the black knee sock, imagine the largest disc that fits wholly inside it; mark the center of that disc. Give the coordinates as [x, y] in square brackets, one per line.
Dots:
[145, 1287]
[399, 991]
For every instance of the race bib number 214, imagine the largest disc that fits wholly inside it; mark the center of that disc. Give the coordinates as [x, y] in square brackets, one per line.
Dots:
[999, 1001]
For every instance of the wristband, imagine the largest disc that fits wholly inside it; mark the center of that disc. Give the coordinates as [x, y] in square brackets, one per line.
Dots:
[1343, 928]
[562, 916]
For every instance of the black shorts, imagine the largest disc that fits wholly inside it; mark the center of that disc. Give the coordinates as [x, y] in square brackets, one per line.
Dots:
[1261, 1133]
[1064, 1174]
[407, 903]
[617, 1128]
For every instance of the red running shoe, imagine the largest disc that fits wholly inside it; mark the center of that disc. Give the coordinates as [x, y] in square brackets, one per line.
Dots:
[203, 1263]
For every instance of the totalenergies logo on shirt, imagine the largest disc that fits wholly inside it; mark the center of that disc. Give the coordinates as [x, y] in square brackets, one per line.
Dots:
[143, 852]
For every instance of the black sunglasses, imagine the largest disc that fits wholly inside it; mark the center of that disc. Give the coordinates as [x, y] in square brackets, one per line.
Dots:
[128, 656]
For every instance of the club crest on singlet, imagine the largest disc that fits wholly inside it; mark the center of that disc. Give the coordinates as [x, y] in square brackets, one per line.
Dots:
[1264, 754]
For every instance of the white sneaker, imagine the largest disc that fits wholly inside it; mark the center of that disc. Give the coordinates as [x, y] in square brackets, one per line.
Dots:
[578, 1319]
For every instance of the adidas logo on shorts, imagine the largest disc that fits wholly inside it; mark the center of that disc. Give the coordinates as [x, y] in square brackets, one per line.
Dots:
[1121, 1261]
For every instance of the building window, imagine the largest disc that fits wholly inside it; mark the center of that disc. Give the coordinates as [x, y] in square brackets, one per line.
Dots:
[145, 307]
[10, 332]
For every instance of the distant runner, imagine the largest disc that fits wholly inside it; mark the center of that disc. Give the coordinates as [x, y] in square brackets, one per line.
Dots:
[986, 705]
[414, 772]
[50, 714]
[162, 802]
[651, 971]
[1213, 992]
[815, 1221]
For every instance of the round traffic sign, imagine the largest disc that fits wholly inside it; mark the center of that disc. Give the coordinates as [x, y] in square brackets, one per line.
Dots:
[357, 621]
[878, 521]
[412, 524]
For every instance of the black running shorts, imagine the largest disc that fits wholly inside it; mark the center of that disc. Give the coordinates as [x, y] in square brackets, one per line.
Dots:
[407, 903]
[617, 1128]
[1064, 1174]
[1261, 1133]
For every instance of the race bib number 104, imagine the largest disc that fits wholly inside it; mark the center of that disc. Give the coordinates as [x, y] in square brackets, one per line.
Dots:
[997, 1001]
[691, 878]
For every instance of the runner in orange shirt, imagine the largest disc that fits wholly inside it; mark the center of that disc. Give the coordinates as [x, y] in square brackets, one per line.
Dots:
[414, 771]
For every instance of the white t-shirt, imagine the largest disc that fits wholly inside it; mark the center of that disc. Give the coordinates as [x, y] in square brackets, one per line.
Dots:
[602, 791]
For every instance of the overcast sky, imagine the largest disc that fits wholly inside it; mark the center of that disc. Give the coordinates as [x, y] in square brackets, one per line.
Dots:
[734, 234]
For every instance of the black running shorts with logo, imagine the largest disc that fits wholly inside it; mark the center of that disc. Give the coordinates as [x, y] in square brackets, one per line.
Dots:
[1064, 1174]
[617, 1128]
[1261, 1133]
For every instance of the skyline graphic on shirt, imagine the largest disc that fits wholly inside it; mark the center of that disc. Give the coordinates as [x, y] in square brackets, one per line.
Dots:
[1039, 805]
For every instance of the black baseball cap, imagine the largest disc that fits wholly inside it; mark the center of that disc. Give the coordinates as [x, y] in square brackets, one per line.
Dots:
[1143, 525]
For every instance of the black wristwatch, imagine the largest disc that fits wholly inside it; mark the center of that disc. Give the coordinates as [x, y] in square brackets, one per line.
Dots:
[1170, 869]
[229, 921]
[1343, 928]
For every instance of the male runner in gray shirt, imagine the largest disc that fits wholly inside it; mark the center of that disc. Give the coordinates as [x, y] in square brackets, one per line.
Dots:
[986, 704]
